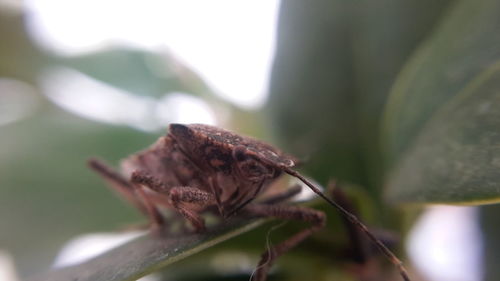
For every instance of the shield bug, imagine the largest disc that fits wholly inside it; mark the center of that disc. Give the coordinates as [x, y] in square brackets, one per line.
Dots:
[198, 168]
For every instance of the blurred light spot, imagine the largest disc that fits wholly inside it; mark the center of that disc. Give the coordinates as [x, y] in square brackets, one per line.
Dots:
[445, 244]
[71, 27]
[92, 99]
[88, 246]
[182, 108]
[7, 268]
[232, 262]
[17, 100]
[85, 247]
[98, 101]
[228, 43]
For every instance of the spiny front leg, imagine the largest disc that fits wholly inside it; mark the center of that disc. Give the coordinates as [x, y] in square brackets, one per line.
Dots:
[186, 200]
[184, 196]
[316, 218]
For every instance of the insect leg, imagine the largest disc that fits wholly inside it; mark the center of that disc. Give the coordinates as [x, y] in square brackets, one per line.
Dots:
[242, 205]
[141, 182]
[283, 196]
[316, 218]
[214, 186]
[117, 182]
[359, 250]
[181, 197]
[355, 221]
[276, 198]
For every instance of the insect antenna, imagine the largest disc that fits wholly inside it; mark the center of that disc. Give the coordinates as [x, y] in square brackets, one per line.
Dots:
[354, 220]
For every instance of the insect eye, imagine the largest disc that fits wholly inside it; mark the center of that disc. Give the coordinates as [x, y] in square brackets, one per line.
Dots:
[252, 169]
[239, 154]
[255, 169]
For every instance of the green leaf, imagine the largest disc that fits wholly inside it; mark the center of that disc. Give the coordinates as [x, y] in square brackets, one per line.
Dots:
[456, 157]
[147, 254]
[311, 100]
[335, 64]
[442, 121]
[382, 41]
[319, 256]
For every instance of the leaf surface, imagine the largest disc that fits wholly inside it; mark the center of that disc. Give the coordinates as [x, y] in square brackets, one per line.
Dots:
[442, 121]
[335, 64]
[146, 254]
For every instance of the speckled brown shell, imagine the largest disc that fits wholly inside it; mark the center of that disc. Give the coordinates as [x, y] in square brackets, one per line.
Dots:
[229, 139]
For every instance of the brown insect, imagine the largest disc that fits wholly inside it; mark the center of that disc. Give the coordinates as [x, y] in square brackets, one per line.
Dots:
[199, 168]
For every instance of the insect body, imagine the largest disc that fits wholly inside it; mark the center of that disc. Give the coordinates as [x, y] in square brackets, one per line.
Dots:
[199, 168]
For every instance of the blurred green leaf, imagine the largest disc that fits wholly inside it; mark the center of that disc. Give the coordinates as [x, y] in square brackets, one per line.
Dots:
[382, 41]
[442, 120]
[47, 194]
[146, 254]
[311, 101]
[335, 63]
[137, 71]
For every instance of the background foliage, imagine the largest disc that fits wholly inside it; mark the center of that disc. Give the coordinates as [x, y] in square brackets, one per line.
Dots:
[397, 99]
